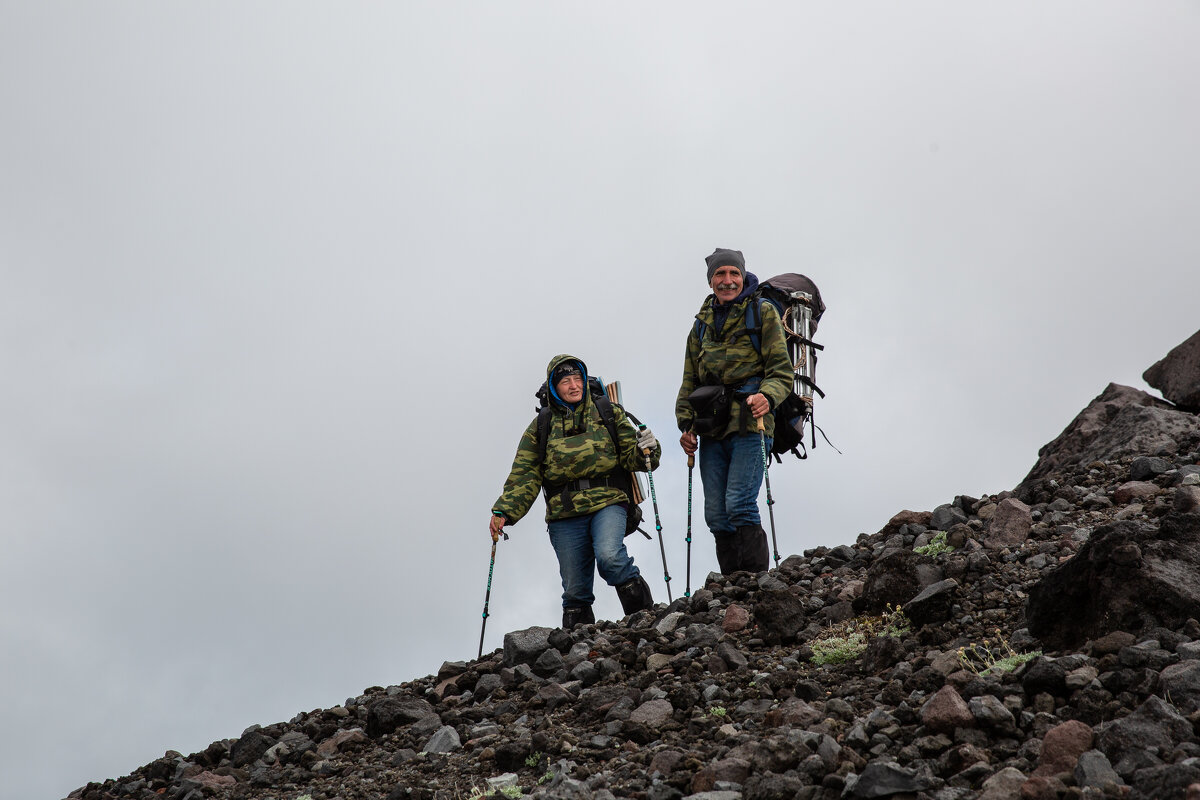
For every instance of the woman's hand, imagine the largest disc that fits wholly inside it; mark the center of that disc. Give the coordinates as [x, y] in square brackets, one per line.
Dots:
[496, 526]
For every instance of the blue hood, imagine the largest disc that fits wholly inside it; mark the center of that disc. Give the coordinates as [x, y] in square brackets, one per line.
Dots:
[554, 363]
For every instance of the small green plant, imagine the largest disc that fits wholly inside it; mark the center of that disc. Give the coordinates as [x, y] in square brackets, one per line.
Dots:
[937, 545]
[993, 657]
[533, 759]
[838, 649]
[549, 776]
[717, 711]
[512, 791]
[847, 640]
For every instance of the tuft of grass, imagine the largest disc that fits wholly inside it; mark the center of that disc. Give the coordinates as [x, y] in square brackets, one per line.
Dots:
[993, 657]
[833, 649]
[533, 759]
[847, 640]
[937, 545]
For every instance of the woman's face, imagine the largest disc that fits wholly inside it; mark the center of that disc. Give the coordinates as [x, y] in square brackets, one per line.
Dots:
[570, 388]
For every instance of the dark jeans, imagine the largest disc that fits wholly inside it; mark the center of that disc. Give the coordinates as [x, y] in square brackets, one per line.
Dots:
[731, 470]
[587, 544]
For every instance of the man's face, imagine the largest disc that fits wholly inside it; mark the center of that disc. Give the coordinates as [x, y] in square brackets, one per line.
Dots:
[570, 388]
[726, 283]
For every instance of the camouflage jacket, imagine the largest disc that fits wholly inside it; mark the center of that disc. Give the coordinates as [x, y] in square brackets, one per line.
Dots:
[578, 446]
[730, 359]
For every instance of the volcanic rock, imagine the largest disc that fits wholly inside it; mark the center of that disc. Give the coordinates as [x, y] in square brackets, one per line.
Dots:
[1129, 576]
[1121, 421]
[1177, 375]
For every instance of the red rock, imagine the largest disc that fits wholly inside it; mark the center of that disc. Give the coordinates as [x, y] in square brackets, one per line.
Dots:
[1063, 746]
[736, 618]
[946, 711]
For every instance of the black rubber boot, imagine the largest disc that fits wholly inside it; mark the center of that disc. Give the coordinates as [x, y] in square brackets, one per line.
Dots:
[754, 553]
[728, 552]
[634, 595]
[577, 616]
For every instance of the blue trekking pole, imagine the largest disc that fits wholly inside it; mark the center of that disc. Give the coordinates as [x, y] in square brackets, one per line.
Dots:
[687, 591]
[487, 598]
[762, 431]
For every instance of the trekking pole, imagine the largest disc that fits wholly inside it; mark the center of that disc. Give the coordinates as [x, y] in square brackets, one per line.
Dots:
[762, 431]
[487, 598]
[657, 520]
[687, 591]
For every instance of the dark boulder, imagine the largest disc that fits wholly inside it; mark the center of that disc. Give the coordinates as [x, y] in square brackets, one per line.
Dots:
[884, 779]
[1128, 577]
[524, 647]
[389, 713]
[250, 748]
[1177, 375]
[933, 604]
[1155, 728]
[895, 579]
[779, 615]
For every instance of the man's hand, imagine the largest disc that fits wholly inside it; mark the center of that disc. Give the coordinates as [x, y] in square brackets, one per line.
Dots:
[688, 442]
[759, 404]
[646, 441]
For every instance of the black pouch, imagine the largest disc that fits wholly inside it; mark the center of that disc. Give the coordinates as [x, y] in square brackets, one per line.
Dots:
[633, 518]
[711, 404]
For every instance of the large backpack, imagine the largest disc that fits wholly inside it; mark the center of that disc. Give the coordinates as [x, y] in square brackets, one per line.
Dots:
[798, 301]
[604, 405]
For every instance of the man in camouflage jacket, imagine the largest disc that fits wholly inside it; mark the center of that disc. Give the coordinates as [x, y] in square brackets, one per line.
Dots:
[720, 352]
[583, 476]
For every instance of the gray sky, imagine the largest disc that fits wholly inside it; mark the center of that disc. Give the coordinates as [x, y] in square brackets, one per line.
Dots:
[279, 280]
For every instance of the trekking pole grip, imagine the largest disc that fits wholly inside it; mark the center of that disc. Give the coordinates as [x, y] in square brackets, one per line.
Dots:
[761, 427]
[691, 460]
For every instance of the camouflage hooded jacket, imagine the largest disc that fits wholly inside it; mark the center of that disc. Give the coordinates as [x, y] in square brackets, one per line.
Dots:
[578, 446]
[729, 358]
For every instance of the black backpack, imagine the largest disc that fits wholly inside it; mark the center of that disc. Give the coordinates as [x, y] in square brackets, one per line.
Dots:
[786, 293]
[620, 477]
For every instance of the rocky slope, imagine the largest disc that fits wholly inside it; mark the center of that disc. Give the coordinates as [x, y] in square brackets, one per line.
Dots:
[737, 691]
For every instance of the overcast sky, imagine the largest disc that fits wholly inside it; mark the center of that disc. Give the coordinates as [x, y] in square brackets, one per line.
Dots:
[279, 281]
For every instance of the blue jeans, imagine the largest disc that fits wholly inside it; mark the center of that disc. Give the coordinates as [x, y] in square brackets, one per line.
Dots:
[585, 544]
[731, 470]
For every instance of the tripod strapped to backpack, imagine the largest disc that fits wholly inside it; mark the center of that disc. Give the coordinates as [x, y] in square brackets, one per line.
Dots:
[799, 303]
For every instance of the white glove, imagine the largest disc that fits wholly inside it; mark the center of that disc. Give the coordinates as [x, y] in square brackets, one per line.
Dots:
[646, 440]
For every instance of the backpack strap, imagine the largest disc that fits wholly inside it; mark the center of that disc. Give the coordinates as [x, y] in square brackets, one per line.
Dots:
[605, 407]
[809, 383]
[543, 431]
[754, 322]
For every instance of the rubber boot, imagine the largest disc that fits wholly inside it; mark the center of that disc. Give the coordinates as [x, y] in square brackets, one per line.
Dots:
[634, 595]
[581, 615]
[754, 553]
[728, 552]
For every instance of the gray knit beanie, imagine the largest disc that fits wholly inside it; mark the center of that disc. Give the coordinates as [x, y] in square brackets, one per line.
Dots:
[722, 257]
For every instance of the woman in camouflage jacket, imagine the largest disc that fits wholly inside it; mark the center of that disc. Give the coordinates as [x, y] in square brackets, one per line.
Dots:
[583, 476]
